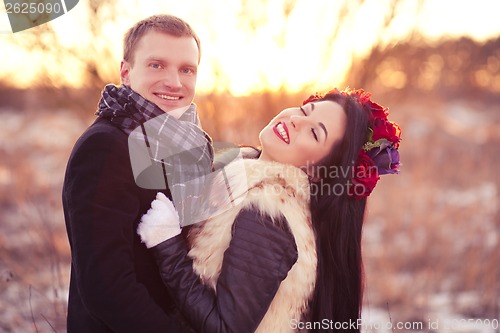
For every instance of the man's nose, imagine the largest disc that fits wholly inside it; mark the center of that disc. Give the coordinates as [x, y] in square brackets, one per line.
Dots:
[172, 80]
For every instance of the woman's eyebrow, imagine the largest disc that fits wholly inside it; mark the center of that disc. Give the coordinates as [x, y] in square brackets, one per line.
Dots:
[320, 123]
[324, 129]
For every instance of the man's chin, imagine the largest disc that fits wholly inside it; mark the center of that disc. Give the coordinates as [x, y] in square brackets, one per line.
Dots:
[176, 111]
[169, 106]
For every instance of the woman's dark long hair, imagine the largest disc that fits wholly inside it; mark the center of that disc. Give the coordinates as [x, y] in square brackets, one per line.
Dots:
[338, 221]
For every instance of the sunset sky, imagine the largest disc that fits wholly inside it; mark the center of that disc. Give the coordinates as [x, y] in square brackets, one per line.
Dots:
[251, 46]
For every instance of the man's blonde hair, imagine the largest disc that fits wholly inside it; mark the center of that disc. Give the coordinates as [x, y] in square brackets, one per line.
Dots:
[167, 24]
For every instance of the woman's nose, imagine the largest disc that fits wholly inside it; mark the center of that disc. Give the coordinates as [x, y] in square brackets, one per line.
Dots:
[297, 121]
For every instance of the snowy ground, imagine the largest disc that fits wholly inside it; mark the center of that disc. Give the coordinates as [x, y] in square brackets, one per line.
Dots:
[431, 240]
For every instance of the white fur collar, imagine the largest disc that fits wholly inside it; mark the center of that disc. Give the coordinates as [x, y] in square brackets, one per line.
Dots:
[274, 189]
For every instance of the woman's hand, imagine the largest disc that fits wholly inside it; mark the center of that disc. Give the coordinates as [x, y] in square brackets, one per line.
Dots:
[160, 223]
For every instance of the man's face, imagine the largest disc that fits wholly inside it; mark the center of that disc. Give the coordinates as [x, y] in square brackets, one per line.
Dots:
[163, 70]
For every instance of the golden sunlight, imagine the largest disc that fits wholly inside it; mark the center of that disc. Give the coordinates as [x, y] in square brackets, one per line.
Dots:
[257, 46]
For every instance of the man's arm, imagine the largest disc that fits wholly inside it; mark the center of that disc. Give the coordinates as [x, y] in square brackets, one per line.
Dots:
[103, 207]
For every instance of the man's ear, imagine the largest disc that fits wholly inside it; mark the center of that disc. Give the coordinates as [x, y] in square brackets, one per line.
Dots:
[125, 72]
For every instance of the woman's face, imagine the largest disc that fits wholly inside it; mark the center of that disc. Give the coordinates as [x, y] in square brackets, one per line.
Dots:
[303, 136]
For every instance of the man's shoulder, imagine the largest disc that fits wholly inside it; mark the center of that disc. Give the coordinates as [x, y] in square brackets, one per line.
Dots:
[103, 129]
[102, 133]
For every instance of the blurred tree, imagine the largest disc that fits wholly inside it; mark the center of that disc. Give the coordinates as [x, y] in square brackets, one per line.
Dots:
[458, 68]
[90, 54]
[93, 53]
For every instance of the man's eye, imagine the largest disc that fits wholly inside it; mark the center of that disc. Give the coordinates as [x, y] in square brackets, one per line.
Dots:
[155, 66]
[188, 71]
[303, 111]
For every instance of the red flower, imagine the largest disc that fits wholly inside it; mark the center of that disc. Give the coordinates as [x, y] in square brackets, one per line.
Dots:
[378, 111]
[365, 177]
[384, 129]
[312, 98]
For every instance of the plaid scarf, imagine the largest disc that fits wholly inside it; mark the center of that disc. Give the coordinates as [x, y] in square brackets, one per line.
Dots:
[165, 152]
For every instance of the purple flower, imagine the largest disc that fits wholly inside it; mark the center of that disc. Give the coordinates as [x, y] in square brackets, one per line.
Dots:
[386, 158]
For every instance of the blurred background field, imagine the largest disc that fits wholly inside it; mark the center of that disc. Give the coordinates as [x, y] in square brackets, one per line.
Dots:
[431, 238]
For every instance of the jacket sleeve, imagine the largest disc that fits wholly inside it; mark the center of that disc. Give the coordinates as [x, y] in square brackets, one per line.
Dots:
[103, 206]
[258, 258]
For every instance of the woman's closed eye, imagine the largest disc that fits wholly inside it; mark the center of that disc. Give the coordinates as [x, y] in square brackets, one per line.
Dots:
[313, 131]
[314, 134]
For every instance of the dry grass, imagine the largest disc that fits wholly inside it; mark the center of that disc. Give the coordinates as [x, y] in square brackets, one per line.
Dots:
[432, 243]
[431, 240]
[34, 252]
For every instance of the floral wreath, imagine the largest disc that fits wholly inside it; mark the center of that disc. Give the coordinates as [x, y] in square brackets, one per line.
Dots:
[379, 155]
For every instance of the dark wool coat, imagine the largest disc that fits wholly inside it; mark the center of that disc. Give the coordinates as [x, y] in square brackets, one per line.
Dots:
[115, 284]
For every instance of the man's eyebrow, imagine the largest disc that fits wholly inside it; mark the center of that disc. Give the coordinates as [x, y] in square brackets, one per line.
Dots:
[324, 129]
[154, 58]
[163, 61]
[312, 107]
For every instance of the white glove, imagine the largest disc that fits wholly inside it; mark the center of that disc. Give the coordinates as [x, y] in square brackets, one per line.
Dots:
[160, 223]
